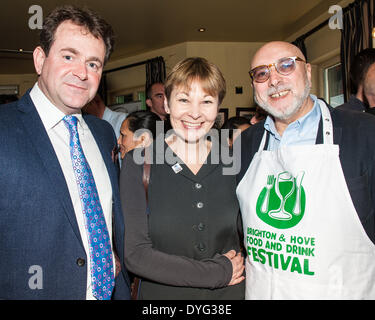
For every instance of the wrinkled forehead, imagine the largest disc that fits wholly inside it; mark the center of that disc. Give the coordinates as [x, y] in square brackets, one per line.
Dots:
[273, 51]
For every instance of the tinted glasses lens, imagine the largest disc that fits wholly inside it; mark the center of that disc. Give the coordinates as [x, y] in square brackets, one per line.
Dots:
[286, 65]
[261, 74]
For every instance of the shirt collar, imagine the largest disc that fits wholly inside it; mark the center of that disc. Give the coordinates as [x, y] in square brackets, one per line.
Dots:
[48, 112]
[300, 123]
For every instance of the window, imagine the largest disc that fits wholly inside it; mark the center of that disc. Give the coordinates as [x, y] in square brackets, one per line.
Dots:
[124, 98]
[333, 88]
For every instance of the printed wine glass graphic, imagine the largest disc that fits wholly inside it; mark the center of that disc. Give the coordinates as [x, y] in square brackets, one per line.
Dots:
[281, 203]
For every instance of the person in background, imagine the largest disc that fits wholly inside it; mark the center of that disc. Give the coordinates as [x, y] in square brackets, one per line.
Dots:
[47, 249]
[307, 173]
[358, 70]
[182, 238]
[259, 115]
[369, 86]
[137, 131]
[97, 108]
[240, 123]
[155, 96]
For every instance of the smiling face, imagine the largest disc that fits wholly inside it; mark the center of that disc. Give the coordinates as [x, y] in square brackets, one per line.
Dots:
[69, 76]
[192, 111]
[285, 97]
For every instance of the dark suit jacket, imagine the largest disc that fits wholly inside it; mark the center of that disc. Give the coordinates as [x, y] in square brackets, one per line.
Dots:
[353, 104]
[38, 226]
[354, 132]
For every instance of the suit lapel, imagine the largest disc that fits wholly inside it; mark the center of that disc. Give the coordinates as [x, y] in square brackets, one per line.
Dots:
[38, 136]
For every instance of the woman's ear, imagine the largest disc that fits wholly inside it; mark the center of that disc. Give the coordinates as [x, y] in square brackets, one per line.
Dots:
[166, 106]
[145, 140]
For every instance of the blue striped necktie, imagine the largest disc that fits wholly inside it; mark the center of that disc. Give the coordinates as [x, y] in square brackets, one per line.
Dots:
[102, 273]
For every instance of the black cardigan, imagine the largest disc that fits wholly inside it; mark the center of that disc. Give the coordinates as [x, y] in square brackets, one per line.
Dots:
[177, 248]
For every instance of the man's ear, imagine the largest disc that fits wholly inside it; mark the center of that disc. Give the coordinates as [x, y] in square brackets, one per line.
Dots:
[39, 57]
[149, 103]
[308, 73]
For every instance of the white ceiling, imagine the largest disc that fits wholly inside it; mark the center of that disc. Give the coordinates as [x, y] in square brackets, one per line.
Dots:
[144, 25]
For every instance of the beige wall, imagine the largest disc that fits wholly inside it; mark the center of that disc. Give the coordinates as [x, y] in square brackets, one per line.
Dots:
[133, 79]
[24, 81]
[233, 59]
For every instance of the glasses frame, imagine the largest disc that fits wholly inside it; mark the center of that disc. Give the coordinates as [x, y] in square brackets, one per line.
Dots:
[275, 64]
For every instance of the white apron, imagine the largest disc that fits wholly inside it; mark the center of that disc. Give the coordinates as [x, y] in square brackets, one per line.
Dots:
[302, 233]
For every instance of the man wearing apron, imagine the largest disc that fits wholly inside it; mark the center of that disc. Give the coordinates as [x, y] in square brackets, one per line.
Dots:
[306, 188]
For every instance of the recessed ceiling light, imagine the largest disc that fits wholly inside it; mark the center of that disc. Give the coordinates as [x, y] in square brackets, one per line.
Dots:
[201, 29]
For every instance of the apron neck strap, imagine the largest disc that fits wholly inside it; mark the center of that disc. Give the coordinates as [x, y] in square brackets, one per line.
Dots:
[327, 123]
[327, 126]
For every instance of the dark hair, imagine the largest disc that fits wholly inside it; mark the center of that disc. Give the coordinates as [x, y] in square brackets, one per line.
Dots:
[359, 67]
[149, 89]
[142, 119]
[84, 17]
[234, 123]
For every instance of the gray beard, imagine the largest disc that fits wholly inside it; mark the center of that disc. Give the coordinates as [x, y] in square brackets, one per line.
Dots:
[289, 111]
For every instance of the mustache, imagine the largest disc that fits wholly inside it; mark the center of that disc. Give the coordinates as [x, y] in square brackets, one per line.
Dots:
[278, 89]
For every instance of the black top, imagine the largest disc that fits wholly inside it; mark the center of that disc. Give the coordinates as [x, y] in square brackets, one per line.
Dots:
[353, 104]
[177, 247]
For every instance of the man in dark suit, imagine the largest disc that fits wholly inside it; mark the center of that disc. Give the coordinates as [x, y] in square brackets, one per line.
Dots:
[46, 241]
[358, 71]
[306, 188]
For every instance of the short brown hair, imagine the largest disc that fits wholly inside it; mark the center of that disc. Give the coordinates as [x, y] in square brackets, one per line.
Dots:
[190, 69]
[84, 17]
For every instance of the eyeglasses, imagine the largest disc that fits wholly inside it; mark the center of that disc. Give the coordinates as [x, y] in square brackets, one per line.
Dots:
[283, 66]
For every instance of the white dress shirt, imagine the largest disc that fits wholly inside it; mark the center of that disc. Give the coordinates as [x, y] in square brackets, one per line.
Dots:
[115, 119]
[303, 131]
[58, 133]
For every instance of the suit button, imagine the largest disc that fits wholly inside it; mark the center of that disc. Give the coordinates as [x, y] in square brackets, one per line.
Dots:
[200, 205]
[201, 226]
[198, 186]
[201, 247]
[80, 262]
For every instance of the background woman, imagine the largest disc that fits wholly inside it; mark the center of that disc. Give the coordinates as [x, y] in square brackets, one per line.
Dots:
[183, 242]
[129, 137]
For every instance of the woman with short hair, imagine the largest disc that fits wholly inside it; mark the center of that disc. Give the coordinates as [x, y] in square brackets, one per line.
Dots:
[181, 234]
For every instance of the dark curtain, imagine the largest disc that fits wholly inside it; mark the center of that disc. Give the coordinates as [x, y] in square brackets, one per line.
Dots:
[102, 90]
[155, 71]
[356, 35]
[300, 43]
